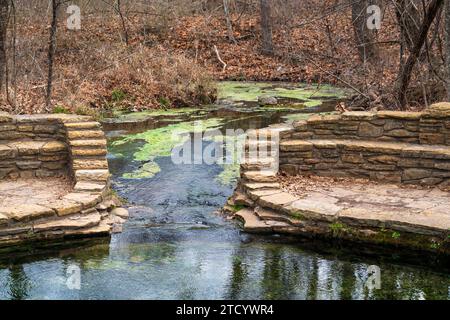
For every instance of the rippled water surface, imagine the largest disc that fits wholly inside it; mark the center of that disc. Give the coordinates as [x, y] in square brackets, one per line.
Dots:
[177, 246]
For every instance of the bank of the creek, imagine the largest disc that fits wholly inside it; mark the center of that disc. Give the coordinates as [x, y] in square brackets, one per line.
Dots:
[176, 245]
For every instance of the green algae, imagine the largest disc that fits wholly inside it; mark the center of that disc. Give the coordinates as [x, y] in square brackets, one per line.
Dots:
[159, 143]
[143, 115]
[310, 95]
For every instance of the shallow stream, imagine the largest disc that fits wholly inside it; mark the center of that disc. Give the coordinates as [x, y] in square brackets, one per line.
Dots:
[176, 244]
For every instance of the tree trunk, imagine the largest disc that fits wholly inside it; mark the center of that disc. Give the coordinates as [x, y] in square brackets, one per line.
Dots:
[363, 35]
[4, 13]
[447, 32]
[408, 18]
[228, 20]
[266, 27]
[405, 74]
[51, 53]
[122, 20]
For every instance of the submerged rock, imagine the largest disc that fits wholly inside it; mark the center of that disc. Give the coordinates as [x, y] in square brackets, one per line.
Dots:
[267, 101]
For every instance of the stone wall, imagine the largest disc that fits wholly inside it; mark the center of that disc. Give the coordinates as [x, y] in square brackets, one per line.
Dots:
[430, 127]
[399, 147]
[43, 146]
[396, 147]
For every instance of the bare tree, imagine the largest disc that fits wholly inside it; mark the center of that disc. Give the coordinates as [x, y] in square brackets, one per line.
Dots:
[51, 52]
[363, 35]
[407, 68]
[266, 27]
[226, 10]
[122, 20]
[408, 17]
[447, 32]
[4, 14]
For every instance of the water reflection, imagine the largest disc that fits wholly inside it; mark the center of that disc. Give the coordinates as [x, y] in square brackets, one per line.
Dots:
[214, 270]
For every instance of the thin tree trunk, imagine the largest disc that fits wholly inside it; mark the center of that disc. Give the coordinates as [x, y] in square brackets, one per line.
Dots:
[228, 20]
[51, 53]
[405, 75]
[122, 20]
[266, 27]
[447, 32]
[408, 18]
[4, 13]
[363, 36]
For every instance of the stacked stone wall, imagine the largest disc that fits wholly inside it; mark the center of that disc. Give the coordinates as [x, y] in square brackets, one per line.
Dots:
[388, 146]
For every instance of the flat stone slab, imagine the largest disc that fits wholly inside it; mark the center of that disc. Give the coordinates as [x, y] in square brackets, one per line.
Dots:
[277, 201]
[362, 203]
[26, 212]
[252, 223]
[32, 191]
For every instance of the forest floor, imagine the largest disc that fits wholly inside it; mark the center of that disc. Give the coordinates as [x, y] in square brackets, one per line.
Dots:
[177, 65]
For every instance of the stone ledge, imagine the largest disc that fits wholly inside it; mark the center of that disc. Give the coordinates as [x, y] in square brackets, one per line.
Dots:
[326, 215]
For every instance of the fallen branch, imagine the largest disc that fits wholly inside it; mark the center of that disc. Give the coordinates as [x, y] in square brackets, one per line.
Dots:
[220, 59]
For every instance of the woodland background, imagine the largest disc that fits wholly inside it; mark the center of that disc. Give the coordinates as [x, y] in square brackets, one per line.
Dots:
[169, 53]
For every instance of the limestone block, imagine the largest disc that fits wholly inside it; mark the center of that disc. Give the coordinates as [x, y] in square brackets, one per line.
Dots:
[92, 175]
[415, 174]
[352, 158]
[369, 130]
[315, 207]
[69, 223]
[22, 212]
[88, 143]
[296, 145]
[28, 165]
[50, 129]
[65, 207]
[88, 200]
[120, 212]
[79, 152]
[399, 115]
[438, 110]
[5, 117]
[88, 134]
[90, 164]
[7, 152]
[277, 201]
[358, 115]
[54, 146]
[252, 223]
[432, 138]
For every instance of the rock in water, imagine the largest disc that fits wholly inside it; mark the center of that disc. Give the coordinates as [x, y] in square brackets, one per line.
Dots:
[120, 212]
[267, 101]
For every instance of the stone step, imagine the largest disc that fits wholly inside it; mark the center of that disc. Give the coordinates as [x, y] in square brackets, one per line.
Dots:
[86, 199]
[271, 215]
[101, 143]
[83, 186]
[25, 213]
[92, 175]
[87, 134]
[256, 163]
[277, 201]
[261, 145]
[258, 193]
[260, 176]
[82, 126]
[78, 153]
[252, 223]
[90, 164]
[69, 223]
[261, 186]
